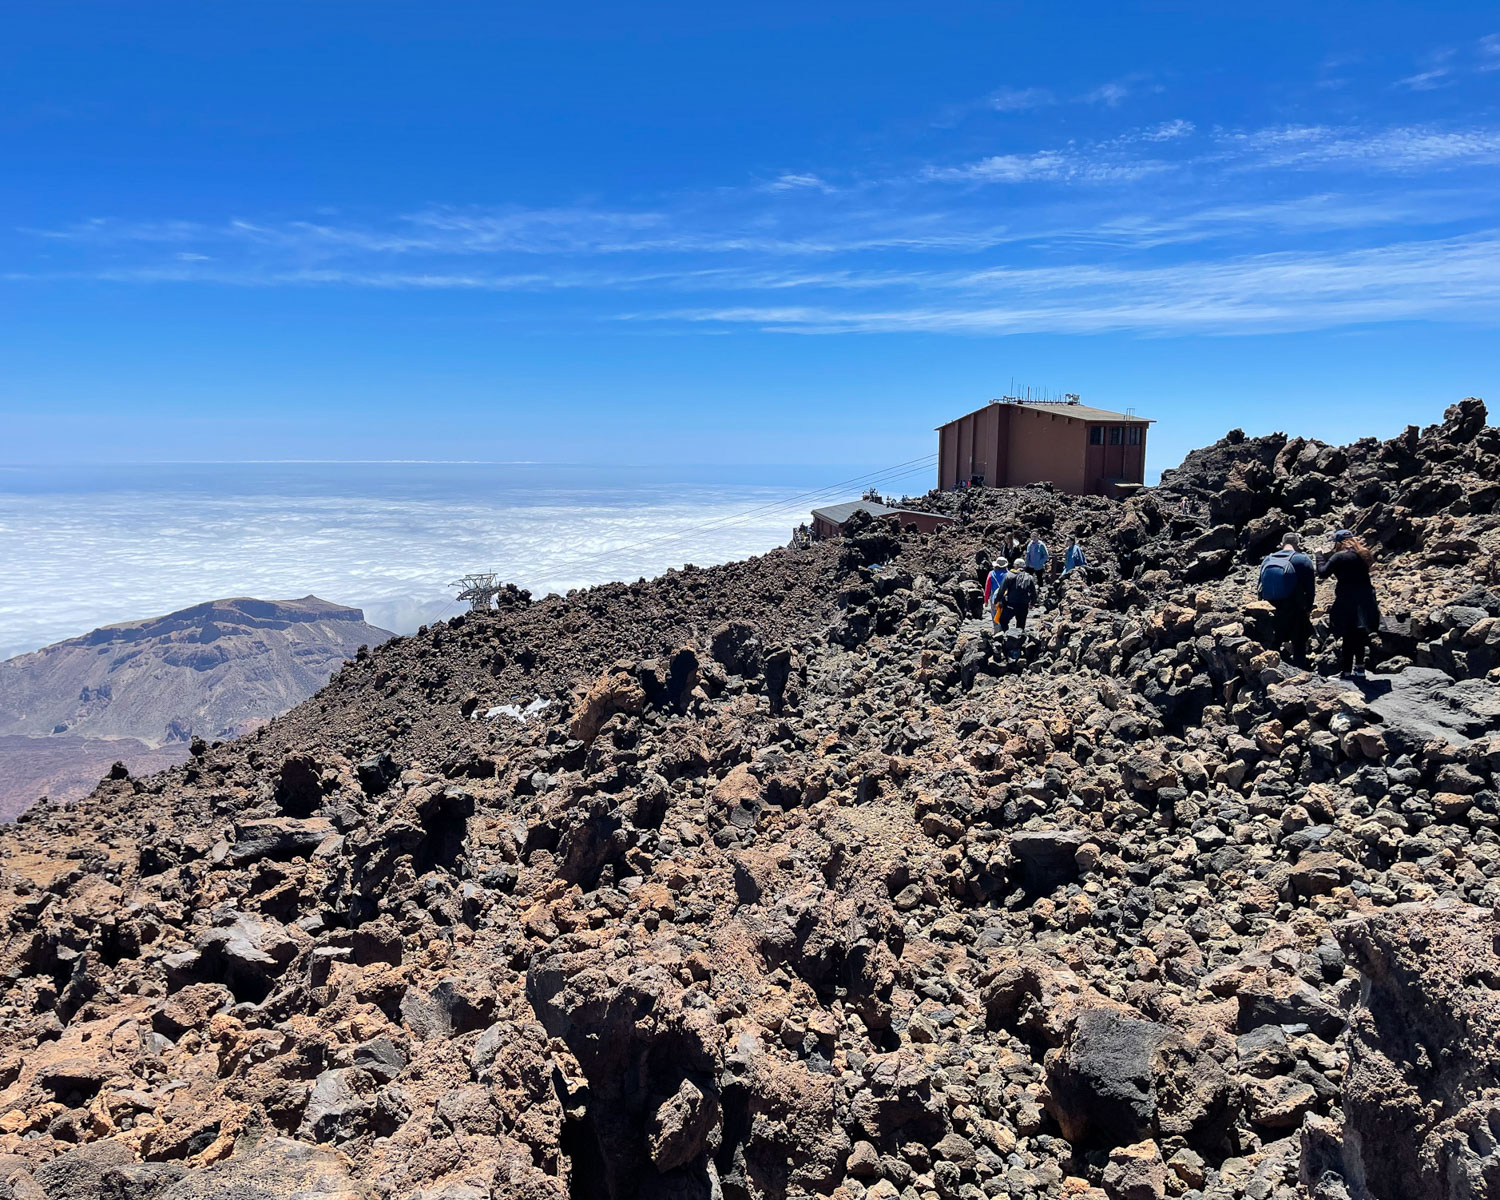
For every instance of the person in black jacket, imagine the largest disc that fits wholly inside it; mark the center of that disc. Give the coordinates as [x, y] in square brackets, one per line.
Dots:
[1355, 614]
[1015, 596]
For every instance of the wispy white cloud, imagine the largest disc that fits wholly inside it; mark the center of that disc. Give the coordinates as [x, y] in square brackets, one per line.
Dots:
[1438, 70]
[1004, 168]
[1427, 81]
[1050, 166]
[938, 248]
[1318, 212]
[1031, 97]
[561, 230]
[1396, 149]
[1448, 65]
[1452, 278]
[794, 182]
[811, 217]
[191, 269]
[1009, 99]
[1332, 70]
[1115, 92]
[104, 229]
[1167, 131]
[1300, 225]
[438, 230]
[445, 235]
[1111, 94]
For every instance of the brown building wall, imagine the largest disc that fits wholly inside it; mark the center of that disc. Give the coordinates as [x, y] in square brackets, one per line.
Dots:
[1011, 446]
[925, 523]
[1125, 463]
[975, 444]
[1046, 447]
[1004, 436]
[986, 421]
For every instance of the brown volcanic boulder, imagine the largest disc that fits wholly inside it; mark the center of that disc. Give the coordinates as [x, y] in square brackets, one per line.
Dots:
[613, 692]
[650, 1050]
[277, 1167]
[1422, 1095]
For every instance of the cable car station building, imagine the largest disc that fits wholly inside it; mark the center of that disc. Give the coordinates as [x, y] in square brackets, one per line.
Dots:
[1011, 442]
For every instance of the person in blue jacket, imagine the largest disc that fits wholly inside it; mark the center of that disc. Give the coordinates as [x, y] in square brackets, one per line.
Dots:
[1036, 554]
[1075, 557]
[1288, 582]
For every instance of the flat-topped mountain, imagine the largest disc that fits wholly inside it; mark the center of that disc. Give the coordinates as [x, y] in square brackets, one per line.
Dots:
[214, 671]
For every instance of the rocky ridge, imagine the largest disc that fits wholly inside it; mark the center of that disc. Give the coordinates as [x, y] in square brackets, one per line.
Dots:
[789, 878]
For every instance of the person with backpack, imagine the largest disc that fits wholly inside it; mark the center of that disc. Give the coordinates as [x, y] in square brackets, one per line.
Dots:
[992, 585]
[1289, 583]
[1355, 613]
[1016, 596]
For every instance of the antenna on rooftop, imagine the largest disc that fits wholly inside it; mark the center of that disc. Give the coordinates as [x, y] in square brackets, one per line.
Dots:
[479, 588]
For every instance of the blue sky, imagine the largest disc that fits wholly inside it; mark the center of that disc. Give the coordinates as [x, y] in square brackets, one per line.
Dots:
[779, 233]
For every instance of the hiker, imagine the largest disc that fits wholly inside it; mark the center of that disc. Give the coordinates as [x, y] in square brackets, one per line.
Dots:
[1289, 583]
[993, 582]
[1036, 554]
[1075, 557]
[1355, 613]
[1016, 596]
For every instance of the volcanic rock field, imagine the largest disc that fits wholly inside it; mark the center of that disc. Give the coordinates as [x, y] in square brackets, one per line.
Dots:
[789, 878]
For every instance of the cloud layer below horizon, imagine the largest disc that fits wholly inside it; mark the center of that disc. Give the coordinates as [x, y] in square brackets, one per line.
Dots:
[78, 560]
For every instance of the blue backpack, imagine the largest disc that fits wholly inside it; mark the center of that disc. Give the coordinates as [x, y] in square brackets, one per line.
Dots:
[1278, 578]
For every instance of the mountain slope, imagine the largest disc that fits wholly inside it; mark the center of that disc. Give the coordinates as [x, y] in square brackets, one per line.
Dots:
[804, 882]
[63, 767]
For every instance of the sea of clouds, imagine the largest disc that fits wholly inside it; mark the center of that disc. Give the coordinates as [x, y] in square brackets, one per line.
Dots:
[88, 547]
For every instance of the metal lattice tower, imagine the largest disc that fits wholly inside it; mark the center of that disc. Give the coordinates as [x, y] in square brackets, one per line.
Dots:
[479, 589]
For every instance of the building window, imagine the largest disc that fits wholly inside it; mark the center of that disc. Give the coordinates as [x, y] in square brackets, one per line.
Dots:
[1096, 435]
[1114, 435]
[1135, 436]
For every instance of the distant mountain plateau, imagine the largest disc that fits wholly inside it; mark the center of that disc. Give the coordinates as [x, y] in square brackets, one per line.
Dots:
[139, 692]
